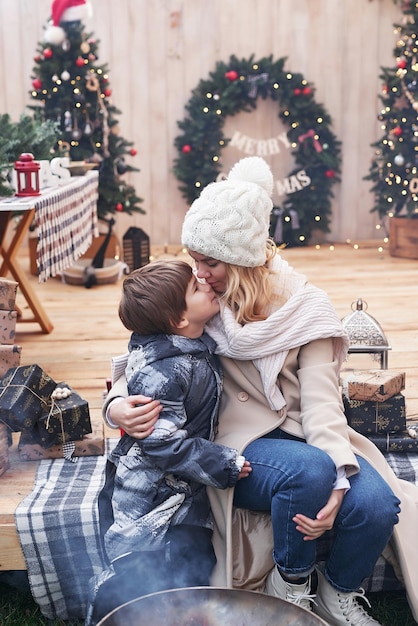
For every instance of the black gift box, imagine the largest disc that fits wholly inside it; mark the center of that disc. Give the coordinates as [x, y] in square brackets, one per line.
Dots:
[67, 419]
[25, 394]
[371, 417]
[396, 442]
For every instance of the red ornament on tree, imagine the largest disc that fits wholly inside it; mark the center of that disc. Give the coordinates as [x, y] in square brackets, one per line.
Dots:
[330, 173]
[306, 91]
[107, 93]
[133, 151]
[186, 148]
[231, 75]
[119, 207]
[297, 91]
[79, 61]
[37, 83]
[47, 53]
[37, 58]
[402, 63]
[397, 131]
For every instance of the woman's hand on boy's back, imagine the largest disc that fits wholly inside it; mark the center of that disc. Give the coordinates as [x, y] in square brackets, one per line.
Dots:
[136, 415]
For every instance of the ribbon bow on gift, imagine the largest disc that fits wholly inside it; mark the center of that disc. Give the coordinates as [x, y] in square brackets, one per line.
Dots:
[311, 133]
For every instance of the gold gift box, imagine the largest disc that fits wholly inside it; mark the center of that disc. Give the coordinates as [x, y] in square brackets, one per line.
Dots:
[376, 385]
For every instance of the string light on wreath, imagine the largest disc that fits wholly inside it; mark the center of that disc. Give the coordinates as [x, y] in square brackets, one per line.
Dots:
[235, 86]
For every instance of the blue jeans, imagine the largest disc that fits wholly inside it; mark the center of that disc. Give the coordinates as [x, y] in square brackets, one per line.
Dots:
[289, 476]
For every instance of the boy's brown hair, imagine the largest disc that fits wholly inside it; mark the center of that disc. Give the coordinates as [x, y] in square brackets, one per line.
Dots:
[154, 297]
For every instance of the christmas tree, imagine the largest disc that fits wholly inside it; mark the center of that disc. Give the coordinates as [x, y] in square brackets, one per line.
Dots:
[394, 169]
[73, 90]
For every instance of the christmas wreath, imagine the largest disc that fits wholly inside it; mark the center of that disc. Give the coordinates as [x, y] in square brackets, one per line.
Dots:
[235, 86]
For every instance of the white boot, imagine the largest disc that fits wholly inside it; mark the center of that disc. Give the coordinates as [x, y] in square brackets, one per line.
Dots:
[297, 594]
[341, 609]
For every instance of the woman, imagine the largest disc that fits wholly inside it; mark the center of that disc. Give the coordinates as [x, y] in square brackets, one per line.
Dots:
[282, 346]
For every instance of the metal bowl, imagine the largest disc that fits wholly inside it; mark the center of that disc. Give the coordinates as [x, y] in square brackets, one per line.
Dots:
[209, 606]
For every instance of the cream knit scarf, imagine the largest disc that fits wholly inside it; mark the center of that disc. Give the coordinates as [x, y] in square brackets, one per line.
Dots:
[306, 315]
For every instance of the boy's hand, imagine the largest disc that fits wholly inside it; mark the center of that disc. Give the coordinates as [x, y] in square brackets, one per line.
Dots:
[246, 470]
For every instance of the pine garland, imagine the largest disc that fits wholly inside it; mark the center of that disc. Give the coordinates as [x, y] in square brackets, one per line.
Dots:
[236, 86]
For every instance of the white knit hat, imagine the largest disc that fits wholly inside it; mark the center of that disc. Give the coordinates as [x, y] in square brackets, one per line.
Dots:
[230, 220]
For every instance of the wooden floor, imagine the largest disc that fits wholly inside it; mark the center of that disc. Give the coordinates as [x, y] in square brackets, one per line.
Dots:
[87, 332]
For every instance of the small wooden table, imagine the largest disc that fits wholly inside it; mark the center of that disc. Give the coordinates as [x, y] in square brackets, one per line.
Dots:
[66, 220]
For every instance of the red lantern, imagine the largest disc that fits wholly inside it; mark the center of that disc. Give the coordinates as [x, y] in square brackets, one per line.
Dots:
[27, 170]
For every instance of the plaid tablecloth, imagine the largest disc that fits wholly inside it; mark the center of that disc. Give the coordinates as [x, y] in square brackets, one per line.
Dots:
[58, 530]
[66, 220]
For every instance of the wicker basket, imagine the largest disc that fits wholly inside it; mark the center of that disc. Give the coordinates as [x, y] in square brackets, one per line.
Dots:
[4, 449]
[111, 272]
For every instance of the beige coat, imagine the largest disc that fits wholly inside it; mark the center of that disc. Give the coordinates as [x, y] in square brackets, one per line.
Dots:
[309, 383]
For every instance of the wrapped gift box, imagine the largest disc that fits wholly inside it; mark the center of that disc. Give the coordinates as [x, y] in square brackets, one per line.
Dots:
[25, 394]
[369, 417]
[90, 445]
[401, 441]
[9, 358]
[67, 419]
[376, 385]
[8, 290]
[7, 326]
[4, 448]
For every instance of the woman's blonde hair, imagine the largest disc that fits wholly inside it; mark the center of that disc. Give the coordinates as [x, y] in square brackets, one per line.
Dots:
[250, 292]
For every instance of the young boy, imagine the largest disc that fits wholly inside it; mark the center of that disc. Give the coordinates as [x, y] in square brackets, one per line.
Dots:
[157, 531]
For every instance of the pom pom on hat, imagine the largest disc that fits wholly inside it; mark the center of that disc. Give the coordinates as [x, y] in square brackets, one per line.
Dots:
[230, 220]
[65, 11]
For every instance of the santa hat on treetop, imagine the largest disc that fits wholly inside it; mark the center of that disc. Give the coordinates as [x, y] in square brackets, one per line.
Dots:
[65, 11]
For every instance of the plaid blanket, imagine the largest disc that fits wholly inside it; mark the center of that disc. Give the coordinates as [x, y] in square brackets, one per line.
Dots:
[58, 529]
[57, 525]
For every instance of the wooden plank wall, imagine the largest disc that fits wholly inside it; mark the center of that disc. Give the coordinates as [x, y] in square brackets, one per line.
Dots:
[158, 50]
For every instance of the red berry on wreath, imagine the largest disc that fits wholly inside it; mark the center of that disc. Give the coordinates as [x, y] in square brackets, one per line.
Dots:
[330, 173]
[186, 148]
[231, 75]
[133, 151]
[37, 83]
[397, 131]
[79, 61]
[119, 206]
[47, 53]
